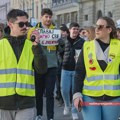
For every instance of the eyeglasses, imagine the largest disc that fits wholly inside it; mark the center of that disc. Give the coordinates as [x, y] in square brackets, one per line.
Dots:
[21, 24]
[100, 27]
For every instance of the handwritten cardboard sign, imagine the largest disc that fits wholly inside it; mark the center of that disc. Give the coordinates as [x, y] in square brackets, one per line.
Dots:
[49, 37]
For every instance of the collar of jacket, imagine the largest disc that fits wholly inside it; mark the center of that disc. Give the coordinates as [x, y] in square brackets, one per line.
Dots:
[19, 39]
[39, 25]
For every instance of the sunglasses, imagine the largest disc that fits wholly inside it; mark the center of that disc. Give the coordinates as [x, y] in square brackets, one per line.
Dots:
[100, 27]
[21, 24]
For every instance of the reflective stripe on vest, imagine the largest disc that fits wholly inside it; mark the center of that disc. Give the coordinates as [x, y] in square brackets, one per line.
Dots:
[19, 71]
[105, 77]
[17, 85]
[98, 82]
[105, 87]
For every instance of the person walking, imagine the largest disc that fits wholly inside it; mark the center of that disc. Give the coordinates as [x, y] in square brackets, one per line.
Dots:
[60, 52]
[46, 83]
[19, 58]
[72, 43]
[97, 74]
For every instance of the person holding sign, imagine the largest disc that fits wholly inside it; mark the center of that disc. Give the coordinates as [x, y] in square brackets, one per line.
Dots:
[97, 75]
[46, 82]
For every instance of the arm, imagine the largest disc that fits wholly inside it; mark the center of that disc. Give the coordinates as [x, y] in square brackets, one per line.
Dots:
[80, 73]
[40, 60]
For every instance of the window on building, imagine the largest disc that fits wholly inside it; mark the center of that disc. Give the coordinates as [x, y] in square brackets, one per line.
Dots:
[59, 20]
[110, 14]
[86, 17]
[99, 14]
[74, 16]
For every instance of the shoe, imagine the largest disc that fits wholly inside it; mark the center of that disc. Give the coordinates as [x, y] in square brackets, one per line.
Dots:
[66, 111]
[60, 103]
[39, 117]
[57, 97]
[75, 116]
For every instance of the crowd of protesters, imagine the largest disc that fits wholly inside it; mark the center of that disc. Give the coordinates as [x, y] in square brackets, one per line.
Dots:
[83, 68]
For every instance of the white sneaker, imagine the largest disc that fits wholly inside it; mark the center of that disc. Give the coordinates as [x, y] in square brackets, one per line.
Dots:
[39, 117]
[75, 116]
[66, 111]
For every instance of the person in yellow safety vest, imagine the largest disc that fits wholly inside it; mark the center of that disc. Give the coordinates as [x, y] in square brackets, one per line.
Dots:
[97, 77]
[18, 59]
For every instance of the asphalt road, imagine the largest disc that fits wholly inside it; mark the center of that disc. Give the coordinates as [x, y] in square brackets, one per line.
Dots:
[58, 113]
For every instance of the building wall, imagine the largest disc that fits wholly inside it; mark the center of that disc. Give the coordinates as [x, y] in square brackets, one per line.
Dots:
[4, 8]
[85, 12]
[88, 11]
[65, 11]
[32, 7]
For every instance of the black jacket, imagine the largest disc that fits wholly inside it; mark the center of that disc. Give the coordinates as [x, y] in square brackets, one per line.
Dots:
[69, 53]
[16, 101]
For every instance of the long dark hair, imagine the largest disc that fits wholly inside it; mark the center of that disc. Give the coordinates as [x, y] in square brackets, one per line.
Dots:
[111, 24]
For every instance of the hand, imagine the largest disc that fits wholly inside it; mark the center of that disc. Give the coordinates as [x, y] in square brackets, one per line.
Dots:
[37, 37]
[77, 103]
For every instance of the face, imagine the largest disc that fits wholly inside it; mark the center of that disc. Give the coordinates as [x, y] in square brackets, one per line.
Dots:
[86, 33]
[64, 34]
[1, 34]
[118, 34]
[102, 30]
[46, 20]
[82, 33]
[74, 32]
[19, 27]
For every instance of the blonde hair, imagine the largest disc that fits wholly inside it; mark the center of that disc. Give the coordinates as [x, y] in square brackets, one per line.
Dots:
[91, 32]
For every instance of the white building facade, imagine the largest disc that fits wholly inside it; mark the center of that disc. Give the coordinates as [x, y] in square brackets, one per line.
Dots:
[85, 12]
[4, 8]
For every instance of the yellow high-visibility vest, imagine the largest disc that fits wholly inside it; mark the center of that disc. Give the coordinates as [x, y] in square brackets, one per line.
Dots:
[98, 82]
[16, 78]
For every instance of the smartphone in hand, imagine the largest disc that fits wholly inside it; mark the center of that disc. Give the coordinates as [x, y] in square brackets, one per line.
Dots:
[79, 106]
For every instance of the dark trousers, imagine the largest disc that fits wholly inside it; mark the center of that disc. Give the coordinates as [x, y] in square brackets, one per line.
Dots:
[58, 81]
[45, 83]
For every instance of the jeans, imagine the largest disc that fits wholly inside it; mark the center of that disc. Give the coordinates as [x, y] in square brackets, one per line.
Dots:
[45, 83]
[67, 82]
[100, 112]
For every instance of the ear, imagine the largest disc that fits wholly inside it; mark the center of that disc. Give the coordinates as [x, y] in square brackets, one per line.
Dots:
[9, 24]
[40, 17]
[109, 30]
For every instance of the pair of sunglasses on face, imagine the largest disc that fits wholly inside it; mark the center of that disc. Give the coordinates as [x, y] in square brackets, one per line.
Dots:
[100, 27]
[21, 24]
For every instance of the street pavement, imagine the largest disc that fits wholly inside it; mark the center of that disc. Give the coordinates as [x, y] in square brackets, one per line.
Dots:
[58, 113]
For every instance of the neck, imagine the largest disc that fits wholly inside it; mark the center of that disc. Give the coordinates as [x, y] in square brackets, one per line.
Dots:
[72, 37]
[45, 26]
[105, 40]
[13, 34]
